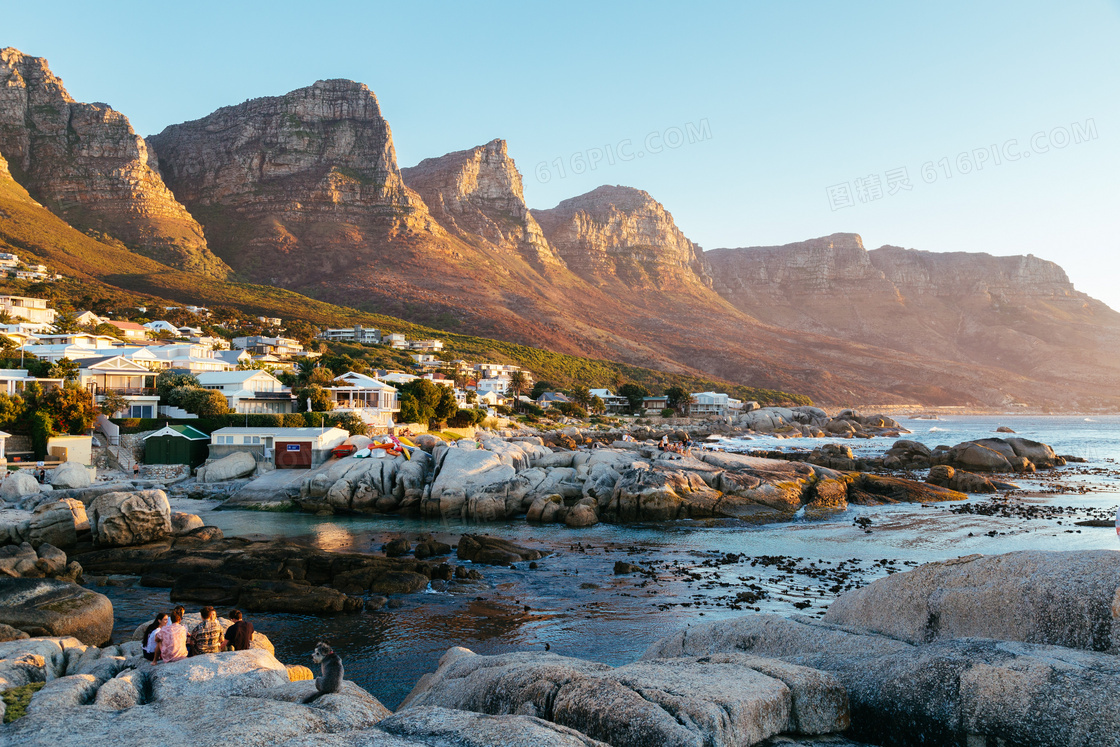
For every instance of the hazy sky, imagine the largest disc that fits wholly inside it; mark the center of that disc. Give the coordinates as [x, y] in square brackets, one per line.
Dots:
[772, 108]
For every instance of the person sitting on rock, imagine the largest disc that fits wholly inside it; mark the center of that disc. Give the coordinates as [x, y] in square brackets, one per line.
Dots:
[171, 640]
[150, 644]
[206, 637]
[664, 444]
[239, 636]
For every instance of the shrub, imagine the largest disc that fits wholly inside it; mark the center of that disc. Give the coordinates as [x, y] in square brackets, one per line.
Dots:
[350, 422]
[41, 431]
[571, 409]
[293, 420]
[668, 412]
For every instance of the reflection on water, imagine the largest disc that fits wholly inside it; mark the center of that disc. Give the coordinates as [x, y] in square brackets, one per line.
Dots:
[575, 603]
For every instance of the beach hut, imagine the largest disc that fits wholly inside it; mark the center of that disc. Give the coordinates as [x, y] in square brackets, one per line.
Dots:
[177, 444]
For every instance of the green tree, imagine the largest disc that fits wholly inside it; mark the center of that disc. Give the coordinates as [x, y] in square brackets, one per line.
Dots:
[112, 403]
[635, 393]
[64, 369]
[173, 378]
[65, 321]
[205, 403]
[40, 428]
[518, 383]
[11, 409]
[351, 422]
[677, 398]
[71, 407]
[447, 405]
[320, 398]
[597, 405]
[540, 388]
[581, 395]
[410, 410]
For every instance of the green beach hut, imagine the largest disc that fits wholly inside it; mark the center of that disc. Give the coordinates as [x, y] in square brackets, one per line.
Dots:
[177, 444]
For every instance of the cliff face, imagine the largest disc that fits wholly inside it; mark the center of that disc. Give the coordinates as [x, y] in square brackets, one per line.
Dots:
[1017, 313]
[278, 180]
[479, 192]
[621, 233]
[85, 163]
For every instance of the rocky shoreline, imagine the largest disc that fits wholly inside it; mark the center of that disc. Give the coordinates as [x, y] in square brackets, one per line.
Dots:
[1019, 648]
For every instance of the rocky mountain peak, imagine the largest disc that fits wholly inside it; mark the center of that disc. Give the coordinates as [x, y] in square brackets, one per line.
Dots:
[479, 191]
[85, 163]
[325, 145]
[284, 183]
[622, 233]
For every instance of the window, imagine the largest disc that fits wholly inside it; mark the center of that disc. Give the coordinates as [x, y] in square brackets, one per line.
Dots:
[251, 439]
[140, 411]
[225, 439]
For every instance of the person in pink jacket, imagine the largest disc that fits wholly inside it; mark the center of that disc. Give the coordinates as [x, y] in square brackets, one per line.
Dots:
[171, 640]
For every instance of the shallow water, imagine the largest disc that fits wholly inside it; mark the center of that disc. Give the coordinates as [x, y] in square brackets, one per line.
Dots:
[578, 607]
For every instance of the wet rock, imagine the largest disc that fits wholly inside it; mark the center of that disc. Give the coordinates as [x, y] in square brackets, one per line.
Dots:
[396, 548]
[621, 568]
[873, 490]
[398, 582]
[1060, 598]
[431, 548]
[959, 480]
[1004, 429]
[295, 597]
[487, 550]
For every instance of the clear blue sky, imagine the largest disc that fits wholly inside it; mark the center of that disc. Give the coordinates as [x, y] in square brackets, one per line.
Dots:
[785, 100]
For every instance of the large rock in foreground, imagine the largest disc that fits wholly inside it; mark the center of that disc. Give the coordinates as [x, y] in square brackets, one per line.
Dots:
[46, 607]
[123, 519]
[954, 692]
[724, 699]
[1060, 598]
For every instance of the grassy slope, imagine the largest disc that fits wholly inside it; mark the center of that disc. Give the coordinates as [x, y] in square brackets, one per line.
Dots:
[100, 268]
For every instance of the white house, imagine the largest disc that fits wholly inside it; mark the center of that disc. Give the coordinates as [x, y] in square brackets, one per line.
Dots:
[250, 391]
[287, 448]
[188, 356]
[492, 386]
[115, 373]
[713, 403]
[89, 319]
[131, 330]
[260, 345]
[375, 402]
[81, 339]
[234, 357]
[613, 402]
[357, 333]
[396, 377]
[395, 340]
[31, 309]
[162, 326]
[15, 380]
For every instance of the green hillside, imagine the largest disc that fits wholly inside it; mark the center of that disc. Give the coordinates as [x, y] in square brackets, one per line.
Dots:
[99, 267]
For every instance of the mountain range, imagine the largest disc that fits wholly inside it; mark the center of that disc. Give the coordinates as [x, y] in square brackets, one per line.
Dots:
[303, 193]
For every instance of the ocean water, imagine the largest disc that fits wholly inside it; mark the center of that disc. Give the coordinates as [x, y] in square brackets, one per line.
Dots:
[697, 571]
